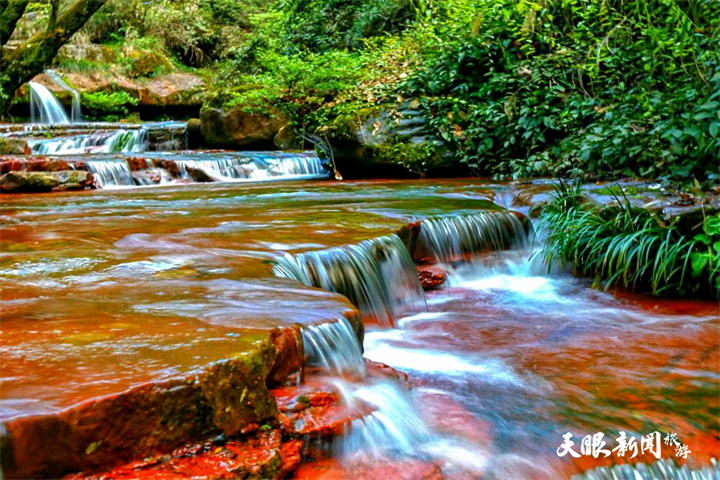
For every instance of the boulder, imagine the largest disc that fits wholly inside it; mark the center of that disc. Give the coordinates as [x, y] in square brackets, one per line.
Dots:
[194, 133]
[32, 182]
[389, 141]
[240, 128]
[13, 146]
[199, 175]
[286, 138]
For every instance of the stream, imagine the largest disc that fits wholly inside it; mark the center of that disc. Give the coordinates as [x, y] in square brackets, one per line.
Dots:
[104, 290]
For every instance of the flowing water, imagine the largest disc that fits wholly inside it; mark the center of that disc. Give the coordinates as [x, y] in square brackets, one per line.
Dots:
[504, 359]
[76, 111]
[44, 107]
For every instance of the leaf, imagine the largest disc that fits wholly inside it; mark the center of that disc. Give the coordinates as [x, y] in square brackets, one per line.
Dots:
[714, 128]
[698, 262]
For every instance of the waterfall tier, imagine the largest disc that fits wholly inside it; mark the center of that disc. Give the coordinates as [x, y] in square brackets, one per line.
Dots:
[334, 347]
[378, 276]
[44, 107]
[451, 239]
[158, 168]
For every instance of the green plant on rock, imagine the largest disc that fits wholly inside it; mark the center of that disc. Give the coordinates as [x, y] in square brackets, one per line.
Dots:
[628, 246]
[706, 260]
[107, 105]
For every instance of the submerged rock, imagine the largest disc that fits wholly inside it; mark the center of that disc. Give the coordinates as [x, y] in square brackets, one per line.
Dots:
[37, 182]
[431, 277]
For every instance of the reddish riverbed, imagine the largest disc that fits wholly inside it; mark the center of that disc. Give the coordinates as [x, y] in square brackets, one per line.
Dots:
[105, 290]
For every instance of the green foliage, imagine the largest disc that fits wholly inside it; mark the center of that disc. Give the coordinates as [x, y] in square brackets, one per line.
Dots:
[321, 25]
[630, 246]
[107, 106]
[706, 261]
[576, 86]
[196, 31]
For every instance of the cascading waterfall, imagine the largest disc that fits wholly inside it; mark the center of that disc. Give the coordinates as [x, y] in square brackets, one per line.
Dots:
[44, 107]
[110, 172]
[391, 426]
[255, 166]
[378, 276]
[334, 347]
[451, 239]
[118, 141]
[76, 112]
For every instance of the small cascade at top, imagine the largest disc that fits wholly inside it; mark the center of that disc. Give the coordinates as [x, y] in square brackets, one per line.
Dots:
[334, 347]
[452, 239]
[378, 276]
[44, 107]
[76, 112]
[117, 141]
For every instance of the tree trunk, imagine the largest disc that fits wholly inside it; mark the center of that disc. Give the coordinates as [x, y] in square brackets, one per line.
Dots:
[10, 14]
[31, 58]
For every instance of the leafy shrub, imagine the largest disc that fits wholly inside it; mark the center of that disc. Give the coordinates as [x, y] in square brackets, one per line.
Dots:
[320, 25]
[578, 86]
[630, 246]
[107, 106]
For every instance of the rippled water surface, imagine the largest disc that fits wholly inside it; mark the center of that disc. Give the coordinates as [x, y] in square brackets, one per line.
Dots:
[505, 360]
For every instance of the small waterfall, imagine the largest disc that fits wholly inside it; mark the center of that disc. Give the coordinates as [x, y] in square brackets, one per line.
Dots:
[111, 172]
[76, 112]
[334, 347]
[44, 107]
[255, 166]
[378, 276]
[451, 239]
[298, 165]
[392, 428]
[117, 141]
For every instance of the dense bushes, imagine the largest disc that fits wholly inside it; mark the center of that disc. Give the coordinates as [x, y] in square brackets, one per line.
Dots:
[632, 247]
[513, 87]
[108, 106]
[319, 25]
[602, 88]
[572, 86]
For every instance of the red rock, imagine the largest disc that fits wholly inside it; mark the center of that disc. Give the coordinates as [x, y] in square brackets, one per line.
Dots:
[257, 456]
[290, 356]
[381, 369]
[170, 166]
[331, 469]
[137, 163]
[431, 277]
[315, 410]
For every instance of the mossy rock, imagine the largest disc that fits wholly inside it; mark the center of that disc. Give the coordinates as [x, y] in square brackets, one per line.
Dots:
[144, 63]
[240, 127]
[36, 182]
[13, 146]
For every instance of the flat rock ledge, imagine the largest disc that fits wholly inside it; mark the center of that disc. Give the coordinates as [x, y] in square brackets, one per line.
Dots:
[229, 397]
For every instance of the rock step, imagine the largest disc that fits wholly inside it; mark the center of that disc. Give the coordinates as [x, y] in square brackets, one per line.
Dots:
[148, 411]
